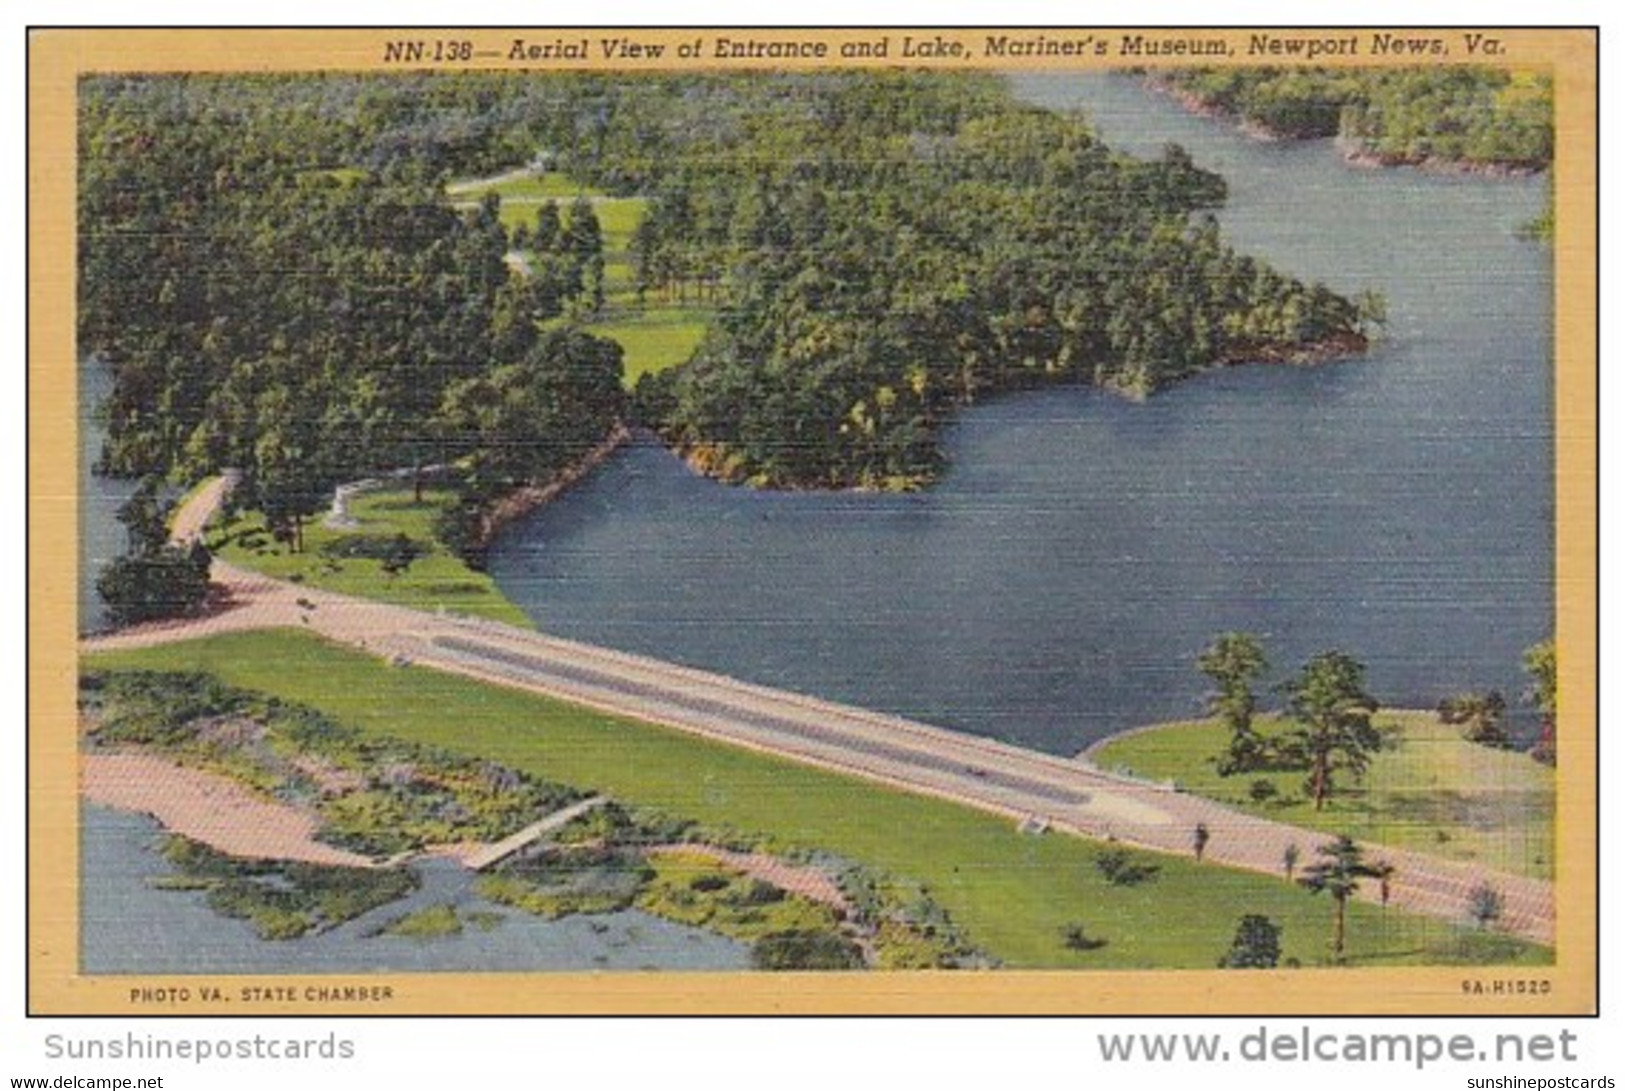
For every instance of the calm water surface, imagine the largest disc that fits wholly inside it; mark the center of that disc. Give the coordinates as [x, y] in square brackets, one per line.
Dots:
[101, 535]
[1056, 585]
[128, 926]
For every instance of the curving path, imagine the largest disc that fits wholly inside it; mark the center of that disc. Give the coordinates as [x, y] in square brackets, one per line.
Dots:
[1070, 794]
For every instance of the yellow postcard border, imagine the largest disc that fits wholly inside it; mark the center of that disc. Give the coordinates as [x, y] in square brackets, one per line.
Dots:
[57, 57]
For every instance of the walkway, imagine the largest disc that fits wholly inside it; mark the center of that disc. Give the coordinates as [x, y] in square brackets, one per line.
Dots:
[498, 851]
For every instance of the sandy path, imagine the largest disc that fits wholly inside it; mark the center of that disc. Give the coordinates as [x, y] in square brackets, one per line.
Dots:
[207, 807]
[195, 514]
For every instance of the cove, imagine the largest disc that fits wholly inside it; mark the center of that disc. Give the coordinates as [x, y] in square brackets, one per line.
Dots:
[1057, 584]
[127, 925]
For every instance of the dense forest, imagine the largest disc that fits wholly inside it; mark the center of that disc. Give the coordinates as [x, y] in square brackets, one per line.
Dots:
[274, 273]
[1472, 117]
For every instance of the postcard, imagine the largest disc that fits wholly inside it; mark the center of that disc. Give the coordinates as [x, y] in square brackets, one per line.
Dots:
[934, 520]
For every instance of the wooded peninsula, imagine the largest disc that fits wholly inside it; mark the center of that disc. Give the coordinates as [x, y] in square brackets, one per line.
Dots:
[279, 281]
[1483, 119]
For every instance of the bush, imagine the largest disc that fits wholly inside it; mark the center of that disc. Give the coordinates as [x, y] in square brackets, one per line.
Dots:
[1480, 717]
[761, 893]
[460, 528]
[1262, 791]
[1257, 945]
[1121, 869]
[170, 582]
[394, 552]
[1074, 938]
[806, 950]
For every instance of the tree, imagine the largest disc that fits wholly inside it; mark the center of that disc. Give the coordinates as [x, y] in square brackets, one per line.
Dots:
[583, 243]
[169, 582]
[1385, 880]
[1541, 663]
[549, 227]
[1479, 716]
[1485, 904]
[145, 518]
[1372, 308]
[154, 578]
[287, 478]
[1257, 945]
[1332, 712]
[1339, 875]
[1235, 661]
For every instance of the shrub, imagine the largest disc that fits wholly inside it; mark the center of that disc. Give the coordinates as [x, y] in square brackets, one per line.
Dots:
[1074, 938]
[169, 582]
[1121, 869]
[1257, 945]
[393, 552]
[430, 923]
[761, 893]
[1479, 715]
[806, 950]
[1485, 904]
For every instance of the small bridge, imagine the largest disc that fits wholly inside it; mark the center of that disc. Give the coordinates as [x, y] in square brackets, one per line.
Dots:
[498, 851]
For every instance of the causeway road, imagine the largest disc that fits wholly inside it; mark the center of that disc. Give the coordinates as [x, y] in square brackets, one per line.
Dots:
[1067, 794]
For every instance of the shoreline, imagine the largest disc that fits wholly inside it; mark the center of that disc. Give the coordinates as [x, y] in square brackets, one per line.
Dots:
[207, 807]
[521, 502]
[1355, 153]
[710, 460]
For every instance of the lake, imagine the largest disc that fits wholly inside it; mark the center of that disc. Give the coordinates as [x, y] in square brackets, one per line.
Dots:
[1057, 584]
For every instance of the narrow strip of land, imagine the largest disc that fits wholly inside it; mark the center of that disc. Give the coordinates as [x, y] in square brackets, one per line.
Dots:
[1070, 795]
[208, 807]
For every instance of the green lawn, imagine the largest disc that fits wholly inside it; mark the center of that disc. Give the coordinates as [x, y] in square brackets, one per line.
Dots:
[523, 196]
[438, 579]
[619, 217]
[1431, 790]
[528, 187]
[654, 338]
[1012, 893]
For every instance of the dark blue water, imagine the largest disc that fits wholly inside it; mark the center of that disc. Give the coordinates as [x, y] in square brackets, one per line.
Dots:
[1057, 584]
[101, 535]
[129, 926]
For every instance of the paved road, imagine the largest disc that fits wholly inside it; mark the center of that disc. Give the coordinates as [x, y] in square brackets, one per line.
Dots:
[1069, 794]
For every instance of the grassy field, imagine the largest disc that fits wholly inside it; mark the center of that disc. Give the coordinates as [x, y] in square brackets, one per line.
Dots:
[653, 338]
[437, 579]
[523, 187]
[1430, 790]
[1012, 893]
[523, 195]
